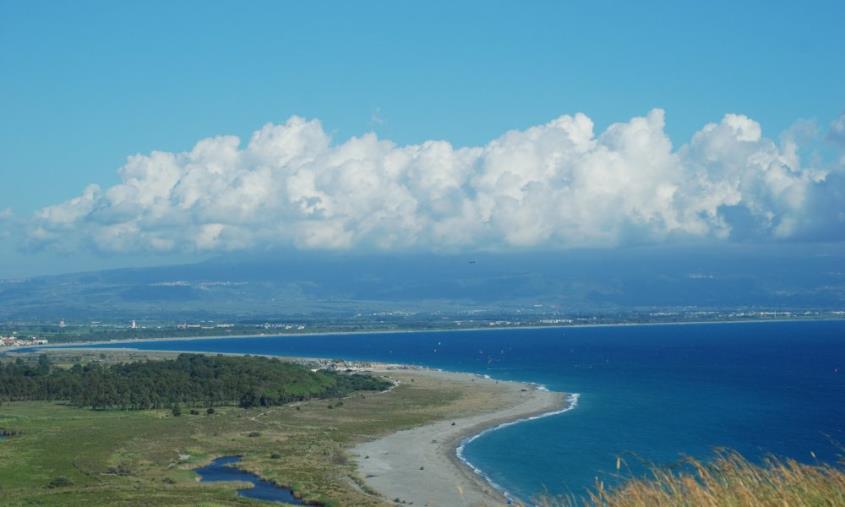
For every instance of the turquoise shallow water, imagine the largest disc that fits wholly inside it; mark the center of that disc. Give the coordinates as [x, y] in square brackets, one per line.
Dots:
[647, 393]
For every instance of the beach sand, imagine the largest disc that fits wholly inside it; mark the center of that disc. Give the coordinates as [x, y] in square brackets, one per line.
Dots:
[421, 465]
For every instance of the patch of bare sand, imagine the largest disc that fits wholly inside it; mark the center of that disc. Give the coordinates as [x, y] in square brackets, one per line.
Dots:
[421, 465]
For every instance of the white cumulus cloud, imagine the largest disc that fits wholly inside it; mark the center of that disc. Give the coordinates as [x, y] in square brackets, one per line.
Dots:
[557, 185]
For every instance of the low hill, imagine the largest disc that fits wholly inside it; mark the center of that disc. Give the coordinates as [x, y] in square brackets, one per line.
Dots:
[335, 285]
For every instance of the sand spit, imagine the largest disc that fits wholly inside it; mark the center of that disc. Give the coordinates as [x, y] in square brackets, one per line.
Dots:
[421, 465]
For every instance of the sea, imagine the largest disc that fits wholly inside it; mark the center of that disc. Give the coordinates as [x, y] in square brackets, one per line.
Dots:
[646, 394]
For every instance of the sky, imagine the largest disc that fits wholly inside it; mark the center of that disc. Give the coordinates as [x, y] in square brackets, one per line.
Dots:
[156, 132]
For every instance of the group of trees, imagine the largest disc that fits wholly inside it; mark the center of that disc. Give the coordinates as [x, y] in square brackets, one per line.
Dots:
[190, 379]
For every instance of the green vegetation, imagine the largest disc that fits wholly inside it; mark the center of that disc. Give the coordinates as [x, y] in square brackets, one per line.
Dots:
[728, 481]
[57, 454]
[61, 455]
[190, 379]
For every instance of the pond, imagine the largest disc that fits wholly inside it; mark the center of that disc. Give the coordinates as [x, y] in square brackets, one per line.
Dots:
[222, 470]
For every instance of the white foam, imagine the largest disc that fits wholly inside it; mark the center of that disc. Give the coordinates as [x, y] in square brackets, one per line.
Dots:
[572, 402]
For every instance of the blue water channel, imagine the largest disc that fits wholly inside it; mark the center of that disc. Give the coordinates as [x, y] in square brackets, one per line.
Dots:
[223, 470]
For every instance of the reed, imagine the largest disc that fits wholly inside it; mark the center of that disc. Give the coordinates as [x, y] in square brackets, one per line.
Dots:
[729, 480]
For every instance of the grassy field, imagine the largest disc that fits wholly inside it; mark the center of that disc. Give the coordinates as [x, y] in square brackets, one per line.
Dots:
[69, 456]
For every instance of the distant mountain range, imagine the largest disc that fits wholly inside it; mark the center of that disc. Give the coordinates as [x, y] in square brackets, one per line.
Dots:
[284, 284]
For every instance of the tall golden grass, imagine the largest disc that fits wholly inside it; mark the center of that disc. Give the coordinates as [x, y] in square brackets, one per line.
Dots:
[729, 480]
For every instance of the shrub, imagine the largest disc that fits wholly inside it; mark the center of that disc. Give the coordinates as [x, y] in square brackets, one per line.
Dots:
[60, 482]
[121, 470]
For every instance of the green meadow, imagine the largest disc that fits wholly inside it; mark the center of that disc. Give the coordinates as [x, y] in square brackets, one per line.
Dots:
[65, 455]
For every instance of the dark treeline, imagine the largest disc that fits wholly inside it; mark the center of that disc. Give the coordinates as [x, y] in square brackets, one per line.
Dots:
[190, 379]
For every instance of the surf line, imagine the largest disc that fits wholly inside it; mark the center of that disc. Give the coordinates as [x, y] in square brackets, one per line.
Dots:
[571, 403]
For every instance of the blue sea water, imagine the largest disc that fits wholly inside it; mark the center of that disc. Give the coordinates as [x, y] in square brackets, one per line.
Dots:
[647, 393]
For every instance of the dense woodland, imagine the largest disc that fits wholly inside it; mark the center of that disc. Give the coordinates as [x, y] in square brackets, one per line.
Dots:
[190, 379]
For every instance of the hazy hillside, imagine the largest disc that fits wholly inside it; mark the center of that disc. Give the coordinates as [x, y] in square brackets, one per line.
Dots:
[333, 284]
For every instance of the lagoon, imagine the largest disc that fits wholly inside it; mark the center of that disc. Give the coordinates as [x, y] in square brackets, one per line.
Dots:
[648, 393]
[223, 470]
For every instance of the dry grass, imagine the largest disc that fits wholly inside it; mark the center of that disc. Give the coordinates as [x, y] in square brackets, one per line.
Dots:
[300, 445]
[727, 481]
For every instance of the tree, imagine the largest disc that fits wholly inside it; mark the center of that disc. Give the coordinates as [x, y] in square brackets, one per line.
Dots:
[43, 364]
[191, 379]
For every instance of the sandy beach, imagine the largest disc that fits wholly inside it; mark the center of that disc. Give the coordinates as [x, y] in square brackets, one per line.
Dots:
[421, 465]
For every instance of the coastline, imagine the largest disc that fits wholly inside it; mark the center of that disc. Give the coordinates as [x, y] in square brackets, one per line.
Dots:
[412, 331]
[425, 465]
[570, 403]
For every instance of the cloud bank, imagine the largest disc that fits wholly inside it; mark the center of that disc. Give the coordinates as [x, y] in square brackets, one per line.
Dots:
[557, 185]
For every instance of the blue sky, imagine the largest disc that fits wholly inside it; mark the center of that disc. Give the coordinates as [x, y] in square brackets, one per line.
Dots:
[89, 83]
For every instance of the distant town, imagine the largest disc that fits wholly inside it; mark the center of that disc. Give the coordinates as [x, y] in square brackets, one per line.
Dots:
[20, 333]
[14, 341]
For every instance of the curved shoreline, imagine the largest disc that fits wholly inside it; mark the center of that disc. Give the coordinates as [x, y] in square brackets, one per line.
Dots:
[571, 402]
[425, 465]
[517, 402]
[507, 403]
